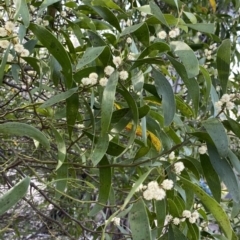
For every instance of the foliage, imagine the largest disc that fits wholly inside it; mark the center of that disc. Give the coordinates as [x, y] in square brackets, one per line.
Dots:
[126, 113]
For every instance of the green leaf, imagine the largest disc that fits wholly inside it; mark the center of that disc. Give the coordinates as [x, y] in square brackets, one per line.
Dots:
[139, 222]
[234, 125]
[203, 27]
[183, 107]
[90, 55]
[208, 83]
[47, 3]
[95, 39]
[22, 9]
[22, 129]
[223, 63]
[234, 161]
[187, 56]
[161, 211]
[3, 64]
[211, 177]
[59, 97]
[56, 49]
[108, 15]
[105, 181]
[156, 11]
[217, 133]
[107, 3]
[61, 148]
[214, 207]
[16, 193]
[164, 90]
[61, 180]
[191, 17]
[137, 80]
[225, 172]
[140, 31]
[34, 63]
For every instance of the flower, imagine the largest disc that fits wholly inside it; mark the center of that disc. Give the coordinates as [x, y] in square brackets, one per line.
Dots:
[148, 195]
[192, 220]
[3, 32]
[177, 31]
[116, 221]
[129, 40]
[103, 81]
[172, 34]
[140, 187]
[9, 26]
[45, 22]
[168, 218]
[4, 44]
[176, 221]
[18, 47]
[154, 191]
[117, 61]
[218, 105]
[225, 98]
[63, 13]
[162, 34]
[178, 167]
[167, 184]
[229, 105]
[93, 75]
[159, 194]
[86, 81]
[186, 214]
[123, 75]
[152, 38]
[202, 149]
[171, 156]
[195, 214]
[153, 185]
[108, 70]
[24, 53]
[10, 57]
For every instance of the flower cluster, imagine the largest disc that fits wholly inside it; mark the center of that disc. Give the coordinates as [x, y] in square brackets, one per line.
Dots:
[178, 167]
[202, 149]
[154, 191]
[172, 34]
[90, 80]
[225, 101]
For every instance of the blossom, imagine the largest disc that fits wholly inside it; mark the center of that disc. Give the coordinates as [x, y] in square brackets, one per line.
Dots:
[154, 192]
[4, 44]
[229, 105]
[140, 187]
[186, 214]
[172, 34]
[93, 75]
[159, 194]
[218, 105]
[123, 75]
[3, 32]
[177, 31]
[176, 221]
[45, 22]
[10, 57]
[117, 61]
[162, 34]
[116, 221]
[93, 81]
[171, 155]
[129, 40]
[38, 20]
[195, 214]
[225, 98]
[202, 149]
[168, 218]
[18, 47]
[152, 38]
[153, 185]
[24, 53]
[103, 81]
[192, 220]
[86, 81]
[9, 26]
[109, 70]
[148, 195]
[167, 184]
[63, 13]
[178, 167]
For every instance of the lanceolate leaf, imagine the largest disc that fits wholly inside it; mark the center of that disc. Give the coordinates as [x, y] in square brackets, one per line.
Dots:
[139, 222]
[215, 208]
[203, 27]
[217, 133]
[165, 91]
[56, 49]
[10, 198]
[187, 56]
[225, 172]
[22, 10]
[22, 129]
[3, 64]
[223, 63]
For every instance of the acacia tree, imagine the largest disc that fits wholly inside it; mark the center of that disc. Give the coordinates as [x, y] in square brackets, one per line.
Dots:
[121, 116]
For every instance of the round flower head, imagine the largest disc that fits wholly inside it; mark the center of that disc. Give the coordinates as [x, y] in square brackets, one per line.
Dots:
[230, 105]
[123, 75]
[162, 34]
[192, 220]
[167, 184]
[117, 61]
[168, 218]
[202, 149]
[171, 155]
[63, 13]
[108, 70]
[24, 53]
[18, 47]
[129, 40]
[225, 98]
[178, 167]
[159, 194]
[186, 214]
[4, 44]
[148, 195]
[153, 186]
[172, 34]
[86, 81]
[93, 75]
[176, 221]
[116, 221]
[177, 31]
[9, 26]
[103, 81]
[218, 105]
[195, 214]
[3, 32]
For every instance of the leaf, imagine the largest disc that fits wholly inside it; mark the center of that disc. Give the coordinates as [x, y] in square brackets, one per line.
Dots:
[59, 97]
[105, 180]
[90, 55]
[164, 90]
[215, 208]
[22, 129]
[191, 17]
[208, 83]
[56, 49]
[213, 5]
[61, 180]
[140, 31]
[16, 193]
[234, 161]
[211, 177]
[108, 15]
[203, 27]
[22, 9]
[139, 222]
[47, 3]
[161, 211]
[95, 39]
[183, 107]
[3, 64]
[187, 56]
[156, 11]
[34, 63]
[223, 63]
[217, 133]
[138, 81]
[61, 148]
